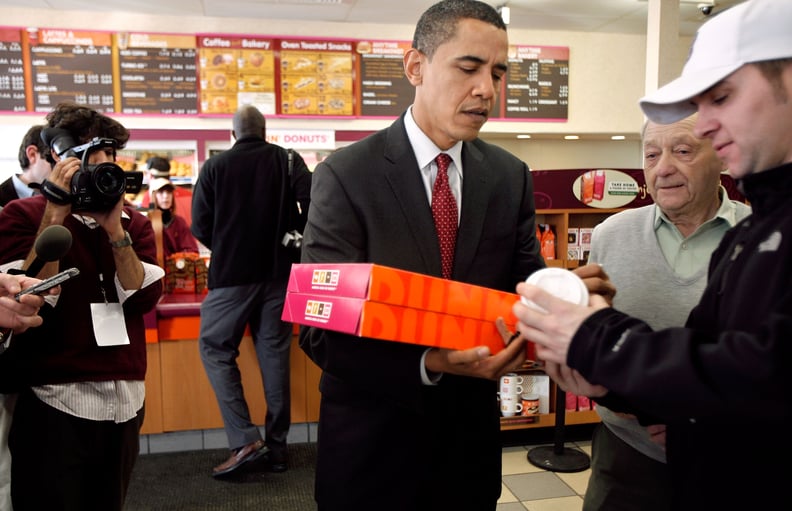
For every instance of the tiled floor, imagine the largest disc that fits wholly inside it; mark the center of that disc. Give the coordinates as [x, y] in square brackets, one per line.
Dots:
[527, 487]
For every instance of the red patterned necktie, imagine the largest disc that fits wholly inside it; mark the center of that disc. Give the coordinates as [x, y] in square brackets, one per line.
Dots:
[444, 211]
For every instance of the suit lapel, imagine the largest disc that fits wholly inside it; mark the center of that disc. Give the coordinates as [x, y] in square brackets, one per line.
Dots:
[475, 195]
[404, 178]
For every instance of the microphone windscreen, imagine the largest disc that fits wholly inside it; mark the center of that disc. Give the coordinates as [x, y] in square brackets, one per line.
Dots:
[53, 243]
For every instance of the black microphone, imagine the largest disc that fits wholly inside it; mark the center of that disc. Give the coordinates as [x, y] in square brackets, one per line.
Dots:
[51, 245]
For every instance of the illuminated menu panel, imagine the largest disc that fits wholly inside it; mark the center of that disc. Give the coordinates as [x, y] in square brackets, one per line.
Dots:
[157, 74]
[71, 65]
[316, 78]
[172, 74]
[236, 71]
[12, 73]
[537, 83]
[384, 88]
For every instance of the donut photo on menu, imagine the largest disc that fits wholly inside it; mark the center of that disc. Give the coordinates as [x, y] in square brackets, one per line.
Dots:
[256, 59]
[219, 81]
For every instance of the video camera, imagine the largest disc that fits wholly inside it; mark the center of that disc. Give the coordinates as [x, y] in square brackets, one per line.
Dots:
[93, 187]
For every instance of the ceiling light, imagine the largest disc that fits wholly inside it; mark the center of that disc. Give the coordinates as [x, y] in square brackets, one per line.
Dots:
[505, 13]
[618, 137]
[524, 136]
[571, 137]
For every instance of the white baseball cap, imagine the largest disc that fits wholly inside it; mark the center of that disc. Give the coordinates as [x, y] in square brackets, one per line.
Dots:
[160, 183]
[752, 31]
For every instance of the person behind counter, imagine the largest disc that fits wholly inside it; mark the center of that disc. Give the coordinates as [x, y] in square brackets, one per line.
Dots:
[176, 235]
[158, 167]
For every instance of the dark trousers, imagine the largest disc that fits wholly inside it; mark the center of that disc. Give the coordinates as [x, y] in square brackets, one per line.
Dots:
[61, 462]
[624, 479]
[225, 313]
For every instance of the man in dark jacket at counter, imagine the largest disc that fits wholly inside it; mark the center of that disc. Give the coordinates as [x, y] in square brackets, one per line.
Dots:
[723, 379]
[236, 204]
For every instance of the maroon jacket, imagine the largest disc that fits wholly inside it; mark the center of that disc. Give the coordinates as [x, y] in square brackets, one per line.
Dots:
[64, 348]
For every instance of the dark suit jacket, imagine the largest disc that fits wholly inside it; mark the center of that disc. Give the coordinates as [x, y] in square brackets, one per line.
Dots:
[7, 192]
[383, 435]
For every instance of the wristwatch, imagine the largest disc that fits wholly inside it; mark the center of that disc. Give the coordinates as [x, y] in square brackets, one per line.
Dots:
[126, 242]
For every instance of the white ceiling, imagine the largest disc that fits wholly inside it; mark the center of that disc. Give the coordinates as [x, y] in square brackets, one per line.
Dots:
[610, 16]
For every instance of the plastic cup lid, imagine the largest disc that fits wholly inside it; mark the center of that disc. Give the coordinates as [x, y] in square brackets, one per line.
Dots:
[562, 283]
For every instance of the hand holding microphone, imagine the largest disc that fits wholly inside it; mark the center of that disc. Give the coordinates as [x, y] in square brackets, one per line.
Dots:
[51, 245]
[20, 296]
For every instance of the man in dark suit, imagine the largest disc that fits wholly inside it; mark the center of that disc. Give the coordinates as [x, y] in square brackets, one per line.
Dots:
[401, 426]
[34, 165]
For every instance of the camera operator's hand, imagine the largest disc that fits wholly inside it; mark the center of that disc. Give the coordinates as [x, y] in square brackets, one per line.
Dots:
[110, 220]
[63, 171]
[57, 188]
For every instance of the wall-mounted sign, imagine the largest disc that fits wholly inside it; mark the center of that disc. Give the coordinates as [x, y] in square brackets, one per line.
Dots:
[156, 74]
[302, 139]
[316, 77]
[12, 72]
[236, 71]
[384, 89]
[70, 65]
[537, 83]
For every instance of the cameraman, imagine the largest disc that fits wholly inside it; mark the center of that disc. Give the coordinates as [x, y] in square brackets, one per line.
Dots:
[80, 376]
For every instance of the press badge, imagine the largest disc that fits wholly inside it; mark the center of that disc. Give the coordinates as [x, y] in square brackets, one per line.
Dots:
[109, 324]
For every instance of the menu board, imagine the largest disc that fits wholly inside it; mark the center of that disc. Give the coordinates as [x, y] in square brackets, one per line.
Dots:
[236, 71]
[182, 74]
[316, 78]
[384, 88]
[156, 74]
[12, 75]
[71, 65]
[537, 83]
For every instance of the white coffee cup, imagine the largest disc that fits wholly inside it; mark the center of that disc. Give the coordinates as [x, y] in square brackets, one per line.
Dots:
[511, 385]
[510, 405]
[559, 282]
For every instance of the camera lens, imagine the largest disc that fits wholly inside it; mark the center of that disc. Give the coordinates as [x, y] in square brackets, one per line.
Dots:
[109, 180]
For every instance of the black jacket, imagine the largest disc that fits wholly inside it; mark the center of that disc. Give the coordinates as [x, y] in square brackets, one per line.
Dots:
[7, 192]
[235, 211]
[721, 383]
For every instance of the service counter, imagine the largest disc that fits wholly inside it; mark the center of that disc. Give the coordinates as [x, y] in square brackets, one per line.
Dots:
[178, 394]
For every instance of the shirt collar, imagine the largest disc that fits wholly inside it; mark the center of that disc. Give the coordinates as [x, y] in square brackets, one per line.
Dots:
[425, 150]
[23, 191]
[726, 212]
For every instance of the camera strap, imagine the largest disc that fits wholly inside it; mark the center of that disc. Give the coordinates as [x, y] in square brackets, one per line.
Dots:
[55, 193]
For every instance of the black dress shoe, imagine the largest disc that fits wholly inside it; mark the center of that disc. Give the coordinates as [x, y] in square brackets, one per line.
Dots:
[278, 460]
[241, 456]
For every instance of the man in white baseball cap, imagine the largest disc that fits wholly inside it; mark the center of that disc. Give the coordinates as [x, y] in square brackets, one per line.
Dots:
[754, 31]
[721, 383]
